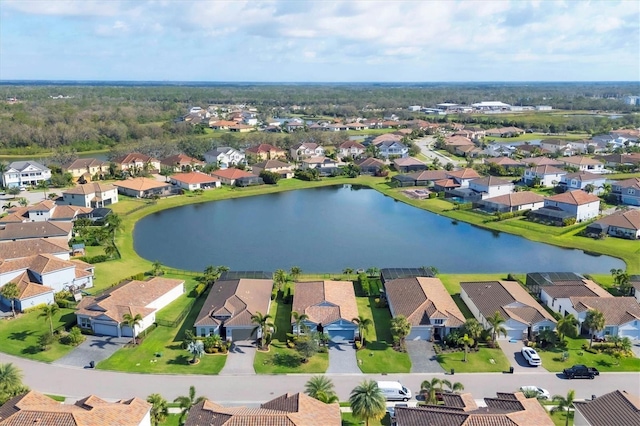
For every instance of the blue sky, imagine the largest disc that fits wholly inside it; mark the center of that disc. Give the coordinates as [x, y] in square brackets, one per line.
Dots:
[324, 41]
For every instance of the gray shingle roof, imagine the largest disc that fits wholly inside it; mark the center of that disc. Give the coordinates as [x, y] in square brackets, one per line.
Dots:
[615, 408]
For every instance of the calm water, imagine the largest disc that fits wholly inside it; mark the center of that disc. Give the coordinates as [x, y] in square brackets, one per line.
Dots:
[329, 229]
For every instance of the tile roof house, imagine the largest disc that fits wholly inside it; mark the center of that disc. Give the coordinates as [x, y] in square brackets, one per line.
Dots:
[265, 151]
[507, 409]
[329, 304]
[351, 149]
[622, 224]
[286, 410]
[522, 314]
[513, 202]
[557, 295]
[616, 160]
[25, 173]
[504, 132]
[137, 161]
[583, 180]
[274, 166]
[546, 175]
[230, 175]
[58, 247]
[627, 191]
[230, 306]
[84, 169]
[93, 195]
[224, 157]
[425, 178]
[34, 408]
[621, 314]
[182, 163]
[426, 304]
[408, 165]
[46, 210]
[505, 162]
[490, 186]
[195, 180]
[579, 204]
[142, 187]
[304, 150]
[584, 164]
[614, 408]
[29, 230]
[369, 165]
[103, 314]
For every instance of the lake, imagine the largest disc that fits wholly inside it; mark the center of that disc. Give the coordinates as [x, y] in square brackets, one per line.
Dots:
[333, 228]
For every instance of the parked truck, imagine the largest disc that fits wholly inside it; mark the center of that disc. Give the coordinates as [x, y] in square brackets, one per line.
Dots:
[580, 371]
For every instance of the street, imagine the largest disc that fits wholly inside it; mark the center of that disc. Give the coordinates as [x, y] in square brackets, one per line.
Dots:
[425, 145]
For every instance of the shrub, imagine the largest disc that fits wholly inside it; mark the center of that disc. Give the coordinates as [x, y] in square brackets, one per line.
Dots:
[432, 195]
[358, 344]
[97, 259]
[364, 284]
[199, 289]
[46, 340]
[34, 308]
[73, 338]
[63, 303]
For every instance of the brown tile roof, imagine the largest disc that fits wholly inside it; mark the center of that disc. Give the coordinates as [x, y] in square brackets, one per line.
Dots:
[615, 408]
[231, 173]
[580, 161]
[35, 408]
[15, 216]
[239, 299]
[627, 219]
[16, 231]
[584, 288]
[576, 198]
[504, 161]
[386, 137]
[447, 183]
[517, 198]
[133, 157]
[181, 160]
[492, 296]
[85, 163]
[272, 164]
[543, 161]
[194, 177]
[616, 310]
[491, 181]
[132, 297]
[421, 300]
[25, 248]
[369, 162]
[350, 144]
[408, 161]
[620, 158]
[42, 206]
[465, 173]
[264, 147]
[629, 183]
[140, 184]
[28, 288]
[326, 301]
[458, 141]
[89, 188]
[431, 175]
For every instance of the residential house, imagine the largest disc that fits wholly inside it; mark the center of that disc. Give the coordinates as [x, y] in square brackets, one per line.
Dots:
[513, 409]
[43, 211]
[274, 166]
[627, 191]
[195, 180]
[142, 187]
[84, 170]
[545, 176]
[304, 150]
[584, 164]
[622, 224]
[93, 195]
[500, 150]
[504, 132]
[543, 161]
[522, 314]
[408, 165]
[457, 179]
[392, 149]
[217, 124]
[224, 157]
[629, 134]
[506, 163]
[617, 160]
[325, 165]
[330, 305]
[286, 410]
[621, 314]
[454, 143]
[532, 151]
[425, 178]
[513, 202]
[31, 230]
[583, 180]
[491, 186]
[36, 408]
[577, 204]
[103, 315]
[558, 146]
[265, 151]
[537, 280]
[11, 250]
[370, 165]
[613, 408]
[351, 149]
[252, 180]
[241, 128]
[390, 137]
[228, 309]
[25, 173]
[182, 163]
[136, 162]
[230, 175]
[557, 296]
[426, 304]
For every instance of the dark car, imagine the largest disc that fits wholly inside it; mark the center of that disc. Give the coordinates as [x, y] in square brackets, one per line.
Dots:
[580, 371]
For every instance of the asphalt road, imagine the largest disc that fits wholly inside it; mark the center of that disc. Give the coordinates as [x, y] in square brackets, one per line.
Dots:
[425, 148]
[76, 383]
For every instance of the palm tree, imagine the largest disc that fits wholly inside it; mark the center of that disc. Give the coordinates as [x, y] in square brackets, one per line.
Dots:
[606, 189]
[110, 250]
[429, 389]
[625, 344]
[279, 278]
[7, 206]
[567, 326]
[132, 321]
[264, 326]
[496, 321]
[196, 348]
[321, 388]
[564, 404]
[186, 402]
[295, 272]
[23, 202]
[594, 322]
[10, 382]
[589, 188]
[622, 280]
[367, 401]
[48, 311]
[453, 387]
[299, 319]
[373, 271]
[473, 329]
[467, 341]
[159, 408]
[156, 268]
[44, 185]
[347, 271]
[114, 223]
[10, 292]
[166, 172]
[363, 325]
[400, 328]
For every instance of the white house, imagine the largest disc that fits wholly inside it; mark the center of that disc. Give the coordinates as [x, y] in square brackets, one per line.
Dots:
[578, 203]
[305, 150]
[557, 296]
[621, 314]
[548, 175]
[581, 180]
[392, 149]
[351, 149]
[224, 156]
[195, 180]
[94, 194]
[25, 173]
[491, 186]
[584, 164]
[104, 314]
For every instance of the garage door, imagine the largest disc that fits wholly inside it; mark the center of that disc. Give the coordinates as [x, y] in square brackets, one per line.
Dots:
[241, 334]
[513, 334]
[105, 329]
[126, 331]
[419, 334]
[339, 335]
[631, 334]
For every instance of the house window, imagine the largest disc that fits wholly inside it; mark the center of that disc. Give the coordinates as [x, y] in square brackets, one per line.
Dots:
[631, 191]
[85, 322]
[544, 327]
[203, 332]
[212, 331]
[439, 322]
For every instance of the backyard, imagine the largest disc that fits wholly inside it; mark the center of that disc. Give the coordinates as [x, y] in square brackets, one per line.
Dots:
[485, 360]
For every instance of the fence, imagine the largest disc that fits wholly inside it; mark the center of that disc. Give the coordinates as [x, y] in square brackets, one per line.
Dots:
[181, 316]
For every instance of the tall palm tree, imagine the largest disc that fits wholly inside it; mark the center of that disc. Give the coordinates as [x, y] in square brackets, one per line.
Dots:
[401, 328]
[264, 326]
[48, 312]
[10, 292]
[279, 278]
[132, 321]
[594, 322]
[473, 329]
[156, 268]
[321, 388]
[363, 325]
[299, 319]
[159, 408]
[496, 321]
[186, 402]
[110, 250]
[23, 202]
[453, 387]
[567, 326]
[10, 382]
[429, 389]
[564, 404]
[367, 401]
[295, 272]
[44, 185]
[114, 223]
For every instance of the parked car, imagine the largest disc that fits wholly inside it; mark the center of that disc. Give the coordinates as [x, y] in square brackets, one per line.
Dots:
[542, 393]
[580, 371]
[531, 356]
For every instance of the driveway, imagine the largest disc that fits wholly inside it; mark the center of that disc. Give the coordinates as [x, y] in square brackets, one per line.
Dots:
[423, 357]
[240, 358]
[635, 347]
[342, 359]
[94, 348]
[515, 358]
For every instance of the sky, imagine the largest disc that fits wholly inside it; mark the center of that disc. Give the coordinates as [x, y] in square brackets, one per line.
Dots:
[320, 41]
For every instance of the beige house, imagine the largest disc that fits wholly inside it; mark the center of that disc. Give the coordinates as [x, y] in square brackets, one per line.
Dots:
[142, 187]
[136, 162]
[84, 169]
[195, 180]
[265, 151]
[93, 194]
[273, 166]
[181, 163]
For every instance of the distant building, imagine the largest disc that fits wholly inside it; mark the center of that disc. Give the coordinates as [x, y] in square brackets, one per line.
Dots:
[543, 108]
[632, 100]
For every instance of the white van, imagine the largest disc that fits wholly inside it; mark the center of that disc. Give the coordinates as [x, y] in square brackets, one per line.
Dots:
[394, 391]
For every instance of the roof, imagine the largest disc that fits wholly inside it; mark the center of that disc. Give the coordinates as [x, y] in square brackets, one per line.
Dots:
[629, 183]
[369, 162]
[140, 184]
[616, 310]
[432, 175]
[272, 164]
[133, 297]
[465, 173]
[21, 165]
[614, 408]
[491, 181]
[542, 161]
[546, 169]
[504, 161]
[286, 410]
[422, 300]
[39, 263]
[85, 163]
[133, 157]
[575, 288]
[626, 219]
[180, 159]
[508, 298]
[237, 300]
[46, 229]
[222, 150]
[351, 144]
[263, 147]
[25, 248]
[89, 188]
[325, 301]
[516, 199]
[583, 176]
[388, 274]
[577, 197]
[580, 161]
[407, 161]
[35, 408]
[194, 177]
[231, 173]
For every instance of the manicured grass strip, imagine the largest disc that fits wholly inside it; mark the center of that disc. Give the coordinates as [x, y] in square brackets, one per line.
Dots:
[175, 308]
[552, 360]
[282, 360]
[349, 420]
[171, 420]
[477, 362]
[281, 314]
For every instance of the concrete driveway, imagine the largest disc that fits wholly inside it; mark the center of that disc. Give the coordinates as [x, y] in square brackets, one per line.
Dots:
[635, 347]
[94, 348]
[517, 361]
[423, 357]
[342, 359]
[240, 358]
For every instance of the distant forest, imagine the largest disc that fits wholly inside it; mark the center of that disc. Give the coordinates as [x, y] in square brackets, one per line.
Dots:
[99, 116]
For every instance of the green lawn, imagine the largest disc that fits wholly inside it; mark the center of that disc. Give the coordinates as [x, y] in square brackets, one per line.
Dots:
[349, 420]
[552, 360]
[175, 308]
[477, 362]
[172, 420]
[282, 360]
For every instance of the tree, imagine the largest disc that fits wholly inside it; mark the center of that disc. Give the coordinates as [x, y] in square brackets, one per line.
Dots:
[166, 172]
[295, 272]
[299, 319]
[159, 408]
[622, 280]
[44, 185]
[279, 278]
[589, 188]
[429, 389]
[10, 292]
[347, 271]
[110, 250]
[453, 387]
[367, 401]
[373, 271]
[132, 321]
[564, 404]
[495, 321]
[23, 202]
[196, 348]
[400, 328]
[48, 312]
[473, 329]
[8, 206]
[363, 325]
[186, 402]
[212, 273]
[467, 341]
[567, 326]
[307, 346]
[114, 223]
[10, 382]
[321, 388]
[594, 322]
[264, 328]
[14, 190]
[156, 268]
